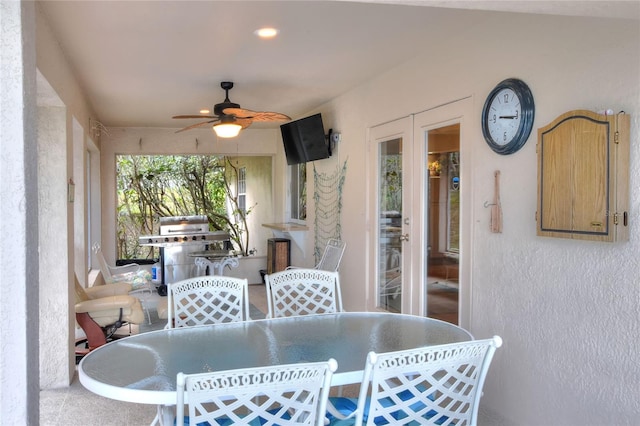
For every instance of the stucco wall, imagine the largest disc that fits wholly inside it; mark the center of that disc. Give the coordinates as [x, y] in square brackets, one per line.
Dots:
[568, 311]
[18, 216]
[66, 143]
[56, 368]
[259, 202]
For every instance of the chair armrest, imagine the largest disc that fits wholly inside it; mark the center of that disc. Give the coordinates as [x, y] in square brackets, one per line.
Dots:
[105, 303]
[114, 289]
[131, 268]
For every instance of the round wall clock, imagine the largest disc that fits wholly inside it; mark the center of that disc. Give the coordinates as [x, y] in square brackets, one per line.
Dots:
[507, 116]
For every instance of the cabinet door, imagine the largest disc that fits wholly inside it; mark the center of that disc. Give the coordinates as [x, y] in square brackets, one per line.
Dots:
[583, 177]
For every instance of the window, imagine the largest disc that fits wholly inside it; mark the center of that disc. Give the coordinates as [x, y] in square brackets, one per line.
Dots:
[453, 202]
[298, 193]
[242, 190]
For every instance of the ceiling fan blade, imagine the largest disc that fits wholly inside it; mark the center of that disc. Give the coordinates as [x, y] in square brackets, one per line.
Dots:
[256, 115]
[195, 116]
[193, 126]
[244, 122]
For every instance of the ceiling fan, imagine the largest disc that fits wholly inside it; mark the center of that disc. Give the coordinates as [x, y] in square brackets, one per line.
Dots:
[230, 118]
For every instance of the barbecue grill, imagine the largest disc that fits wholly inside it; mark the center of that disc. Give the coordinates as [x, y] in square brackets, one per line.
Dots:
[180, 236]
[183, 230]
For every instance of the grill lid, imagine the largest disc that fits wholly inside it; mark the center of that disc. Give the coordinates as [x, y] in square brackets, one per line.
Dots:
[184, 225]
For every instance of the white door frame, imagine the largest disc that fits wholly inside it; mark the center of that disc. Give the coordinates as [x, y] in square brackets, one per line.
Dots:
[412, 131]
[460, 111]
[397, 129]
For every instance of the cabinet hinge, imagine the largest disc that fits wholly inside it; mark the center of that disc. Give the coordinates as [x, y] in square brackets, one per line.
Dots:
[615, 218]
[616, 137]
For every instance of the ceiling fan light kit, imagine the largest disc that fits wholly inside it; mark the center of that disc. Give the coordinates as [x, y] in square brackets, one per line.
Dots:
[229, 118]
[227, 130]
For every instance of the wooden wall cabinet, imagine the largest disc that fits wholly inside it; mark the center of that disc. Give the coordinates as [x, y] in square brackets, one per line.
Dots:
[583, 177]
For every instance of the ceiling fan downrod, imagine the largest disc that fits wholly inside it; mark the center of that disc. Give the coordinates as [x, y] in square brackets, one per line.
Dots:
[219, 108]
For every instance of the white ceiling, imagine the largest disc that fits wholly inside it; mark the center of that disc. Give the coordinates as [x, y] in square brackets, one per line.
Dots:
[142, 62]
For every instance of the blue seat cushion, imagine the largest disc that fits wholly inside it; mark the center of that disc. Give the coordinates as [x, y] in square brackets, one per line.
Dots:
[225, 421]
[346, 406]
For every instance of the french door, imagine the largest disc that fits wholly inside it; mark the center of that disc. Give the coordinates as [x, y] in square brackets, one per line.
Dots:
[400, 158]
[390, 159]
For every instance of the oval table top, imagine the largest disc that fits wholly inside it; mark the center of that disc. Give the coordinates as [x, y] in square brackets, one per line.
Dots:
[143, 368]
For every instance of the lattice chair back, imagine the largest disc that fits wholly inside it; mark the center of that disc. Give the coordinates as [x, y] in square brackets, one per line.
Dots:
[293, 394]
[208, 299]
[302, 291]
[332, 255]
[436, 385]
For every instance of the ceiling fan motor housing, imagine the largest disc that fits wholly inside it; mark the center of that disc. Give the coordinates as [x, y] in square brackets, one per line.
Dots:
[218, 108]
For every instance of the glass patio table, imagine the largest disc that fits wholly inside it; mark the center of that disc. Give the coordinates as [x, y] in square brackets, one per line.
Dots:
[143, 368]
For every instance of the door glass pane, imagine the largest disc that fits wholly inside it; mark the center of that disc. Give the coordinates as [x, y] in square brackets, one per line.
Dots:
[389, 225]
[443, 163]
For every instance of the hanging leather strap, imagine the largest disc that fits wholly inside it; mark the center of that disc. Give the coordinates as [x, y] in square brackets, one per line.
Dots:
[496, 208]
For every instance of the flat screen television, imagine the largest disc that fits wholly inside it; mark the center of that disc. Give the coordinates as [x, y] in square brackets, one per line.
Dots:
[304, 140]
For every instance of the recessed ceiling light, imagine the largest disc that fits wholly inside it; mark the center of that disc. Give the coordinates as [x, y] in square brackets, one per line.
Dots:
[204, 111]
[266, 32]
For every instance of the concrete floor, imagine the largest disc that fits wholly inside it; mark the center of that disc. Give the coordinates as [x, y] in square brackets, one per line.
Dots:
[77, 406]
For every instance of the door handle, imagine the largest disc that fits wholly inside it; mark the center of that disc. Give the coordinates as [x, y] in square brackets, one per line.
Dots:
[404, 237]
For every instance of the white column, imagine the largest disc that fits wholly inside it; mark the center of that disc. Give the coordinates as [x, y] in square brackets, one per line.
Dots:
[19, 352]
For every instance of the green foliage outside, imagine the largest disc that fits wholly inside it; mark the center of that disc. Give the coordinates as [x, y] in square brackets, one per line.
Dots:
[154, 186]
[391, 183]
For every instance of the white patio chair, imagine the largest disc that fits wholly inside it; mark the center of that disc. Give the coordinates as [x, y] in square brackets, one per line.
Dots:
[331, 257]
[302, 291]
[209, 299]
[131, 273]
[435, 385]
[294, 394]
[114, 273]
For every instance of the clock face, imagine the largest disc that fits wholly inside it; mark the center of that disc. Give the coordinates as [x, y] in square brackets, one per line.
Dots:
[504, 116]
[507, 116]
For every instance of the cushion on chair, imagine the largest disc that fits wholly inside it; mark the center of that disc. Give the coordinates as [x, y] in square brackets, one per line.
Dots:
[225, 421]
[138, 280]
[346, 406]
[106, 310]
[99, 291]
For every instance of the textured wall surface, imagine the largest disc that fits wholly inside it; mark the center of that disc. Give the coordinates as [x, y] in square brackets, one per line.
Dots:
[18, 217]
[54, 270]
[568, 311]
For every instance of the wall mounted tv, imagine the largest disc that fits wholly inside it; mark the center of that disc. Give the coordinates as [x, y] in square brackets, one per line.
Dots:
[304, 140]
